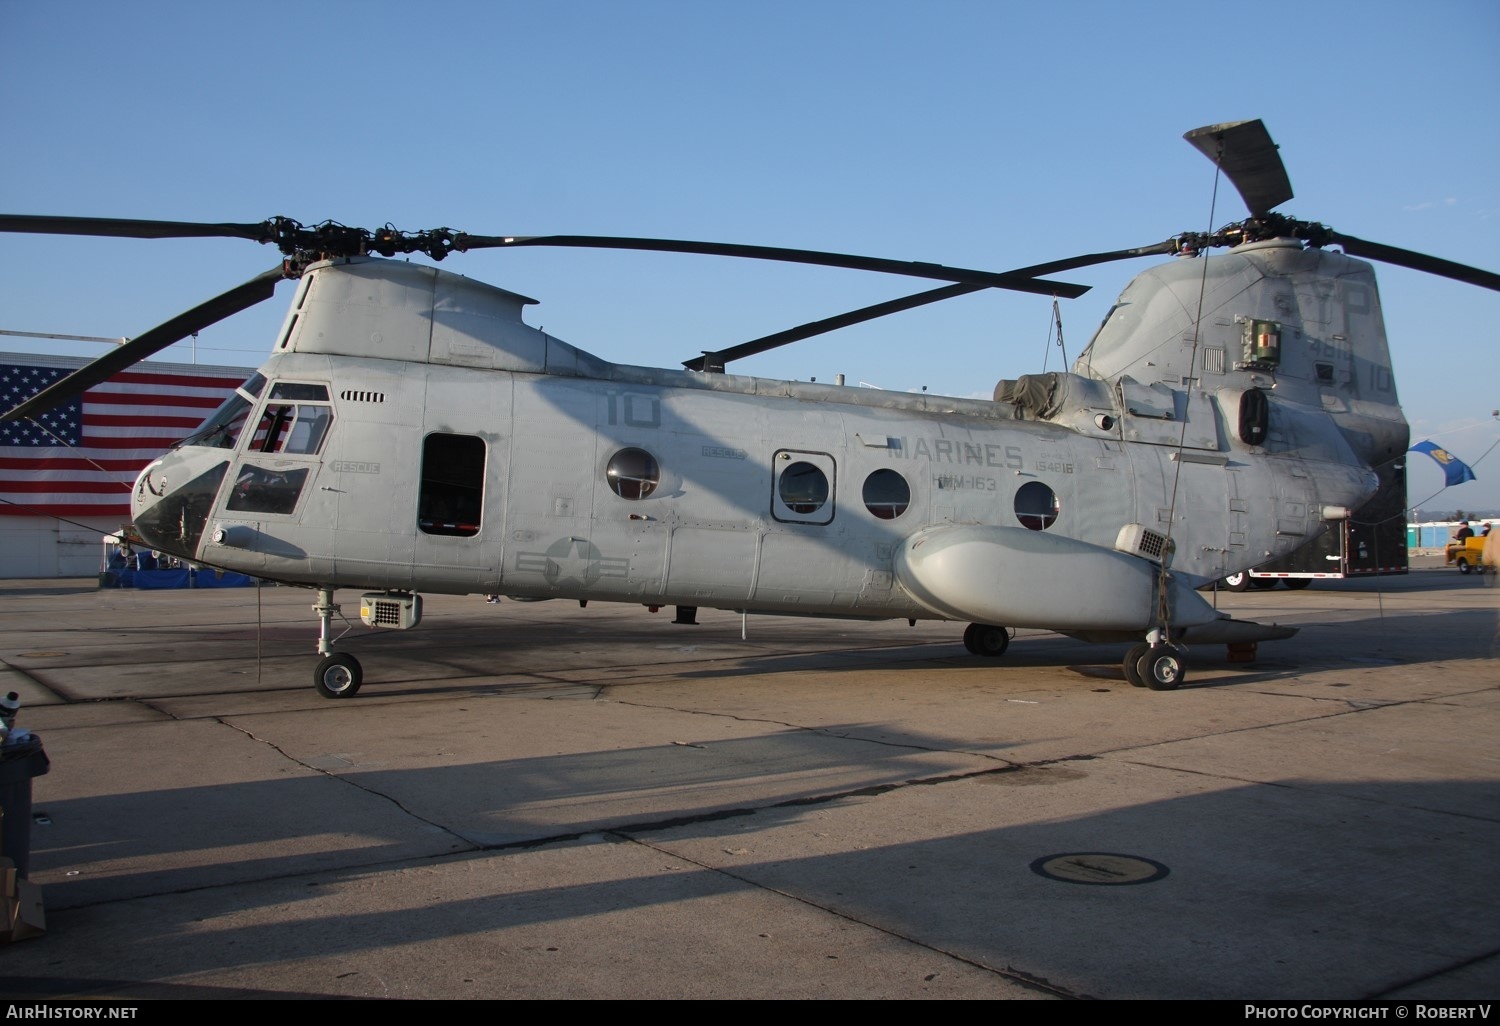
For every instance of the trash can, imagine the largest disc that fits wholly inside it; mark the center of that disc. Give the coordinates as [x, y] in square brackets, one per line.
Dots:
[19, 763]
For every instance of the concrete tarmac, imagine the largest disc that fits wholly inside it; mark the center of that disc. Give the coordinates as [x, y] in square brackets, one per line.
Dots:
[538, 800]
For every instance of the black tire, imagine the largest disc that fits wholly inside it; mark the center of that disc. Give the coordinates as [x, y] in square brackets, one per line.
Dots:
[1298, 583]
[1263, 583]
[1463, 565]
[1162, 668]
[1236, 582]
[1132, 658]
[338, 676]
[982, 639]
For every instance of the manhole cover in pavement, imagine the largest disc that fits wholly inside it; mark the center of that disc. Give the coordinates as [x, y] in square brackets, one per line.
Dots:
[1099, 867]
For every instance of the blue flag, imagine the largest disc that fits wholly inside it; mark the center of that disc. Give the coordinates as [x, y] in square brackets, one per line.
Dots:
[1455, 470]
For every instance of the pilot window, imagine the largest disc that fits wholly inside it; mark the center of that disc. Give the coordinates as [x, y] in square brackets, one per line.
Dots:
[296, 430]
[297, 427]
[222, 430]
[300, 390]
[452, 494]
[262, 490]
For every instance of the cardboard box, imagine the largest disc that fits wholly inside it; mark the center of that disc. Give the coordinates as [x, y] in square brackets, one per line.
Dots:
[22, 902]
[24, 913]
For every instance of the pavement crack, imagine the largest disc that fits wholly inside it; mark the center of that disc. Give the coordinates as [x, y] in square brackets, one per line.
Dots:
[1030, 981]
[1392, 993]
[348, 781]
[1300, 786]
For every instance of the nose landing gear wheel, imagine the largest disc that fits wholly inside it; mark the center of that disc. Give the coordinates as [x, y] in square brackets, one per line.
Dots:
[1132, 659]
[984, 640]
[338, 676]
[1162, 668]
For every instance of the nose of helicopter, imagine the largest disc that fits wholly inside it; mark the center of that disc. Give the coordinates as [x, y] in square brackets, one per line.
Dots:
[174, 496]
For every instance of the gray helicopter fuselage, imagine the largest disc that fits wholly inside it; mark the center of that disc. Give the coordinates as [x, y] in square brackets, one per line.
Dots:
[412, 433]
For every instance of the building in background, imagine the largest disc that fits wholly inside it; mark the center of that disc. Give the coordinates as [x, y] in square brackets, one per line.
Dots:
[65, 477]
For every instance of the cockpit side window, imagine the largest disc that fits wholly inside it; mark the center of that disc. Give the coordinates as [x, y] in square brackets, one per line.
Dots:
[262, 490]
[293, 428]
[299, 390]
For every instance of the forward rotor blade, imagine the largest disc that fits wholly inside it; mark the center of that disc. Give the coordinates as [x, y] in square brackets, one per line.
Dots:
[717, 360]
[114, 227]
[241, 297]
[915, 269]
[1248, 158]
[1416, 261]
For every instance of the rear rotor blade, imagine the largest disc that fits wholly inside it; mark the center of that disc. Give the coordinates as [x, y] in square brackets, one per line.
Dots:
[241, 297]
[916, 269]
[1248, 157]
[1416, 261]
[1090, 259]
[114, 227]
[717, 360]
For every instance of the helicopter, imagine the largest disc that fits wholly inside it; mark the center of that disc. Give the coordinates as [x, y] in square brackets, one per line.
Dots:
[410, 433]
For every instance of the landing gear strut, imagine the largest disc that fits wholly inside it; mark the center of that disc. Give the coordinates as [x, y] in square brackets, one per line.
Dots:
[338, 675]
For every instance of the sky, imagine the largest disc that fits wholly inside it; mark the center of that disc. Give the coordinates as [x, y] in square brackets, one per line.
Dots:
[977, 133]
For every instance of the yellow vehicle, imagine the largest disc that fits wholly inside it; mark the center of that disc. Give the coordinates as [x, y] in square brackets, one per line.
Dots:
[1467, 555]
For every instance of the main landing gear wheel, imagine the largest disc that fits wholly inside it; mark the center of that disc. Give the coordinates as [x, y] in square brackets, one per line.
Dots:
[1132, 658]
[983, 640]
[1236, 582]
[1162, 667]
[338, 676]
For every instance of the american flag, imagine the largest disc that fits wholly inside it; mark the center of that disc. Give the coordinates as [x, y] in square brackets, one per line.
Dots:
[81, 459]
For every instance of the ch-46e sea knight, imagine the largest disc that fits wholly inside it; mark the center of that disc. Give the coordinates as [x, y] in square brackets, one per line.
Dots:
[410, 433]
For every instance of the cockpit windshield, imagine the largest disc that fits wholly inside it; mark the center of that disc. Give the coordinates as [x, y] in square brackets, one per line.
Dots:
[222, 430]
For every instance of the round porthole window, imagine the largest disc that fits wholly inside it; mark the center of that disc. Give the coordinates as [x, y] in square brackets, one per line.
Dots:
[886, 494]
[632, 473]
[1036, 506]
[803, 488]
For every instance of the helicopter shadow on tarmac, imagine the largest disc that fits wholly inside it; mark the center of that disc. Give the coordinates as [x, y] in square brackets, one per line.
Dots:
[1327, 823]
[948, 873]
